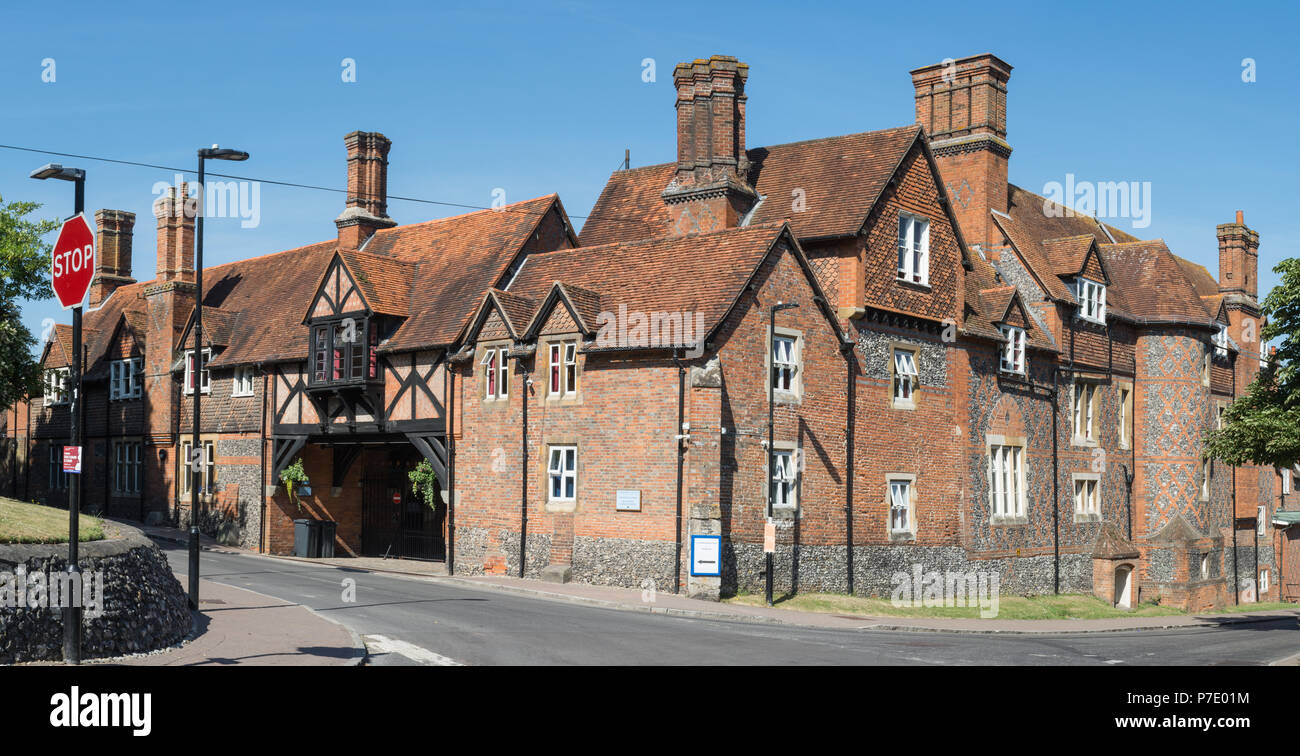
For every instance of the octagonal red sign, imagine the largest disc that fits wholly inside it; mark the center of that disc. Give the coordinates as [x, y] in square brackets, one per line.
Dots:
[73, 263]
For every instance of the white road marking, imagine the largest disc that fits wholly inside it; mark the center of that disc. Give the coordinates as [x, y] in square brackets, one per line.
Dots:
[382, 644]
[1114, 661]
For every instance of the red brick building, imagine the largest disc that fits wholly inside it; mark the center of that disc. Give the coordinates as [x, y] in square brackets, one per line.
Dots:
[973, 379]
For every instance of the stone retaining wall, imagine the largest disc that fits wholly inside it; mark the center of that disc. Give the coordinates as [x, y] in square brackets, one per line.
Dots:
[143, 607]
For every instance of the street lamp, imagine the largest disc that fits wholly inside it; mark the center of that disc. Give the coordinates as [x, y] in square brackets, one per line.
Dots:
[196, 447]
[72, 612]
[771, 452]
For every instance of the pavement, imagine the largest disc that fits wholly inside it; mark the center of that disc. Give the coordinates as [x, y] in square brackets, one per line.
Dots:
[387, 636]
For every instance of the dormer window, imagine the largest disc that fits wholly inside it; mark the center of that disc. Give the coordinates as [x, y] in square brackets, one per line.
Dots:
[56, 387]
[124, 379]
[205, 379]
[1013, 350]
[496, 377]
[343, 351]
[913, 249]
[1221, 343]
[1092, 300]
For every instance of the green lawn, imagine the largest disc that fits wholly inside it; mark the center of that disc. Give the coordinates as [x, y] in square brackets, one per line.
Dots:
[1064, 606]
[21, 522]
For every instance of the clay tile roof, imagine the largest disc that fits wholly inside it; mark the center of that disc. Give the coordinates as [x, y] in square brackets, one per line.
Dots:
[631, 205]
[1199, 277]
[385, 282]
[987, 300]
[585, 301]
[1067, 255]
[697, 273]
[517, 310]
[60, 351]
[459, 258]
[1153, 284]
[996, 301]
[1044, 219]
[1032, 252]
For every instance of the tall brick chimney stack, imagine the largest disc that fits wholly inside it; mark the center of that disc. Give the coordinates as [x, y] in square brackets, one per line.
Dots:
[711, 188]
[962, 106]
[113, 253]
[175, 216]
[1238, 258]
[367, 208]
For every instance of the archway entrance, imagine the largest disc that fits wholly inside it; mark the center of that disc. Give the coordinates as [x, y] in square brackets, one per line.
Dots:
[394, 521]
[1124, 587]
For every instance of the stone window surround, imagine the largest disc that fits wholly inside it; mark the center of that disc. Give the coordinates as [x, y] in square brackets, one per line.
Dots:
[784, 512]
[544, 362]
[895, 346]
[183, 494]
[1075, 478]
[1124, 393]
[1091, 439]
[780, 396]
[908, 535]
[991, 440]
[570, 505]
[480, 352]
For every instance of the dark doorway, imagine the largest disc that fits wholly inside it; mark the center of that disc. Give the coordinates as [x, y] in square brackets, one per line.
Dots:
[394, 521]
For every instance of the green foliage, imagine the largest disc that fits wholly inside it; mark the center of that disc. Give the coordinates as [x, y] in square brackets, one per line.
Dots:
[424, 481]
[1263, 427]
[24, 274]
[292, 477]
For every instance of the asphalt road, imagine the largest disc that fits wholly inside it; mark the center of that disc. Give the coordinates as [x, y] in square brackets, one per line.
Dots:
[420, 621]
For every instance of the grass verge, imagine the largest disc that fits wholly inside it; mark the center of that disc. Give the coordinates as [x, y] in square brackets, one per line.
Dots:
[22, 522]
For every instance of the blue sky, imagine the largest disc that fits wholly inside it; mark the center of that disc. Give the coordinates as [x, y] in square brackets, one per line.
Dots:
[538, 97]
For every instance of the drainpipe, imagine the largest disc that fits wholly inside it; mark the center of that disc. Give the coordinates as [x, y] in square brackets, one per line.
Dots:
[261, 493]
[523, 477]
[849, 351]
[1128, 498]
[450, 404]
[1056, 483]
[1236, 575]
[681, 456]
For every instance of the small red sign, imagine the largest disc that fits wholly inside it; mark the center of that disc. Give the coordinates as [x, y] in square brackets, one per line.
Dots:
[72, 265]
[397, 498]
[72, 459]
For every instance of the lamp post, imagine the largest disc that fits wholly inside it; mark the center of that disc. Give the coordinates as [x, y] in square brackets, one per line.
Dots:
[771, 451]
[197, 457]
[72, 612]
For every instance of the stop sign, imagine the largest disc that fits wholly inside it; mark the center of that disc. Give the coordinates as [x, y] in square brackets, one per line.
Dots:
[73, 262]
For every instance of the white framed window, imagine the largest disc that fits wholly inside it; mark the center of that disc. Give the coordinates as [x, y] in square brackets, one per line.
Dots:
[1261, 520]
[124, 378]
[58, 478]
[127, 465]
[206, 476]
[1125, 416]
[913, 249]
[1082, 404]
[1220, 410]
[1286, 482]
[1263, 581]
[905, 377]
[205, 379]
[1092, 299]
[785, 363]
[1220, 341]
[562, 474]
[1007, 480]
[1205, 566]
[56, 386]
[1087, 497]
[1205, 480]
[1013, 349]
[496, 376]
[785, 479]
[243, 382]
[564, 368]
[901, 515]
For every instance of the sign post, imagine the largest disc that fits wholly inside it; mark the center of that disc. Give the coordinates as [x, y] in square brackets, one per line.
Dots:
[72, 266]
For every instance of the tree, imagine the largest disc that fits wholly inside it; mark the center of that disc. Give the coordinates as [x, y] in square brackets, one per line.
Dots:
[24, 274]
[1263, 427]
